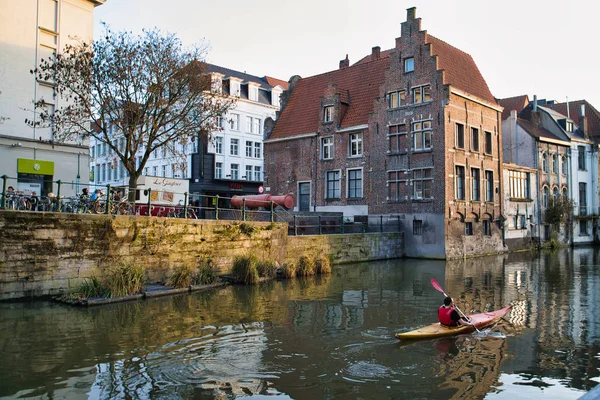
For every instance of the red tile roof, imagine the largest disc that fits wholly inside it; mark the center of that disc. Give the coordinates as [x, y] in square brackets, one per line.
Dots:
[592, 115]
[459, 67]
[460, 70]
[274, 82]
[516, 103]
[358, 85]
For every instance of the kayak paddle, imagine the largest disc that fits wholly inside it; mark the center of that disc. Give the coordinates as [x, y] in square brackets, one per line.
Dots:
[437, 287]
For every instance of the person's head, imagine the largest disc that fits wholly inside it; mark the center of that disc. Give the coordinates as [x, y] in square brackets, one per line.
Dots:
[33, 193]
[98, 191]
[11, 189]
[85, 190]
[448, 301]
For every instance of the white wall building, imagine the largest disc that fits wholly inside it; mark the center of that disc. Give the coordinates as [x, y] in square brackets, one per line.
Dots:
[30, 31]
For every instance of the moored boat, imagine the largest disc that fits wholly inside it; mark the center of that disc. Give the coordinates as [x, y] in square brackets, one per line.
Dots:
[438, 330]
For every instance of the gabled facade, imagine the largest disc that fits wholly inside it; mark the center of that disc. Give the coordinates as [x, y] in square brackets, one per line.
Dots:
[30, 31]
[412, 131]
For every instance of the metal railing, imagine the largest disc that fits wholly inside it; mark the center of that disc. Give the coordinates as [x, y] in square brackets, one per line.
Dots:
[105, 199]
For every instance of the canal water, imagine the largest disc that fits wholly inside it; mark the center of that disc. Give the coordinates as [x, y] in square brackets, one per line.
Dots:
[323, 338]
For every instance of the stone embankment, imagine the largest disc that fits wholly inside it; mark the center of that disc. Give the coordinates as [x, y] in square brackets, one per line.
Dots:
[50, 254]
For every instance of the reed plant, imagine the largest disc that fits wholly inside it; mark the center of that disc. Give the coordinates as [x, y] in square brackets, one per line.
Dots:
[125, 279]
[322, 265]
[91, 288]
[306, 266]
[181, 277]
[289, 270]
[205, 274]
[244, 270]
[266, 268]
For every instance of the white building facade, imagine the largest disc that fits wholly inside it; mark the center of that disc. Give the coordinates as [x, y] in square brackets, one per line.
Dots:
[31, 31]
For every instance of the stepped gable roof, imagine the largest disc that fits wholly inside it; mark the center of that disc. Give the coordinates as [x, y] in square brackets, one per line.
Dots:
[459, 67]
[276, 82]
[592, 115]
[516, 103]
[357, 85]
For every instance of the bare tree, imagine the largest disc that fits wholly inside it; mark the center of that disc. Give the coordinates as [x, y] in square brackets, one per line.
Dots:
[137, 94]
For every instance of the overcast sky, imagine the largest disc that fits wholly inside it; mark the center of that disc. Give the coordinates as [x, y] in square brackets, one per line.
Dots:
[549, 48]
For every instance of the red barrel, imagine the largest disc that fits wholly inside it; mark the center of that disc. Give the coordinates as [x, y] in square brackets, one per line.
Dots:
[263, 200]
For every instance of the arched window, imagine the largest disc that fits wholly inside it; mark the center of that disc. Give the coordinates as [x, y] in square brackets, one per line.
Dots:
[545, 162]
[564, 193]
[554, 164]
[565, 166]
[555, 194]
[546, 198]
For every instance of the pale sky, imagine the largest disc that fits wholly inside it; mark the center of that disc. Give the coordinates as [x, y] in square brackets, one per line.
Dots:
[549, 48]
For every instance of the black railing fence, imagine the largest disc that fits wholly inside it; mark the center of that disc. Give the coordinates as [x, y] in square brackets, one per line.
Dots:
[106, 199]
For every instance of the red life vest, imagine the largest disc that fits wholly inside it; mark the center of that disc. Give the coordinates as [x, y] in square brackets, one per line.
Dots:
[444, 316]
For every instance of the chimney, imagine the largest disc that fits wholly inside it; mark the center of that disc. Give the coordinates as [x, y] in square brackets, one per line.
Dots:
[513, 115]
[535, 103]
[375, 53]
[345, 63]
[535, 115]
[583, 122]
[411, 13]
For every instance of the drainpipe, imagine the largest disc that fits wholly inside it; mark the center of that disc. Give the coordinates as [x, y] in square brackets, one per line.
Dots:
[570, 184]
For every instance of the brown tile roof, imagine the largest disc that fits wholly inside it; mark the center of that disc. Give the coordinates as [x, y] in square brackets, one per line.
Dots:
[459, 67]
[274, 82]
[516, 103]
[358, 85]
[592, 115]
[535, 130]
[460, 70]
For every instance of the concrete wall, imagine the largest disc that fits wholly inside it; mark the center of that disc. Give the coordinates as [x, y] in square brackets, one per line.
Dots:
[48, 253]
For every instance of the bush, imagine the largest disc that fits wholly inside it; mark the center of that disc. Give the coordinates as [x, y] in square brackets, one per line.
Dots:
[322, 265]
[306, 266]
[266, 268]
[206, 274]
[244, 270]
[180, 277]
[125, 279]
[288, 270]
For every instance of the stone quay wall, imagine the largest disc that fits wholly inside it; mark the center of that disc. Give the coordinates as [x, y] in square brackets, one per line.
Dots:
[49, 254]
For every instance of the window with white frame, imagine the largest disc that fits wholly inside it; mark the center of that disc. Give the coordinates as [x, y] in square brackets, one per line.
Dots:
[234, 145]
[581, 158]
[155, 170]
[248, 176]
[397, 138]
[355, 183]
[327, 148]
[248, 148]
[421, 94]
[235, 171]
[332, 183]
[234, 122]
[257, 126]
[253, 93]
[421, 135]
[249, 124]
[327, 113]
[218, 145]
[164, 171]
[545, 162]
[219, 170]
[409, 64]
[257, 174]
[396, 98]
[257, 150]
[355, 144]
[422, 183]
[103, 173]
[518, 182]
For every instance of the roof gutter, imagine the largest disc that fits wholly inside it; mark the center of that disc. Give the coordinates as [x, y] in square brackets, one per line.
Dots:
[475, 99]
[286, 139]
[353, 128]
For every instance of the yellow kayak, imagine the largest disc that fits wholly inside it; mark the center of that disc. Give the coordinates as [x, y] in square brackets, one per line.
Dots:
[438, 330]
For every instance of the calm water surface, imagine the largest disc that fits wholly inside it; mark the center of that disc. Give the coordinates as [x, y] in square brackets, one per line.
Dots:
[319, 338]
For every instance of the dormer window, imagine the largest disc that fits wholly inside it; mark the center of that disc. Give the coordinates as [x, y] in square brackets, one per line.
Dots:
[253, 92]
[328, 114]
[409, 64]
[569, 126]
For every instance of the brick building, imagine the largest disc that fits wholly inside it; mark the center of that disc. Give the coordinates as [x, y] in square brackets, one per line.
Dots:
[411, 131]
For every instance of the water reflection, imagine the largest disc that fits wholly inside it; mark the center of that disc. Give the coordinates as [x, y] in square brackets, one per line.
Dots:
[329, 337]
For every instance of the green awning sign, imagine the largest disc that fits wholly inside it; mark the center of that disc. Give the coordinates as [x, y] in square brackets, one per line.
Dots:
[36, 167]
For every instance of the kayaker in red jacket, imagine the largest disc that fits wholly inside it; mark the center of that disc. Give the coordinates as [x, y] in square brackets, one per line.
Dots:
[447, 314]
